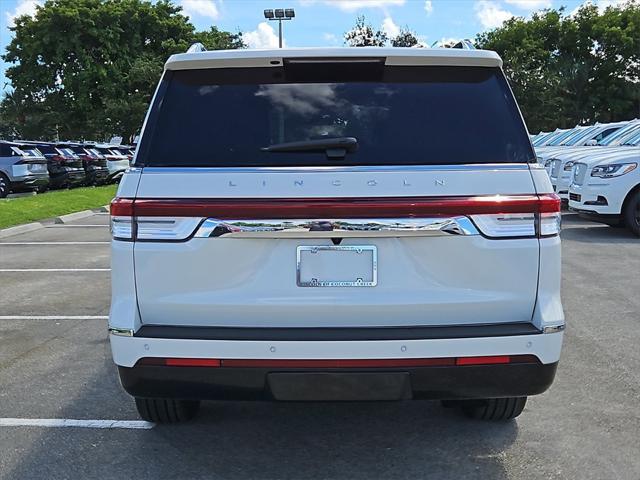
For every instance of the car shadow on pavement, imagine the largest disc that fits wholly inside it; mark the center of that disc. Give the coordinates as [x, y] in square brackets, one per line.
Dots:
[245, 440]
[577, 229]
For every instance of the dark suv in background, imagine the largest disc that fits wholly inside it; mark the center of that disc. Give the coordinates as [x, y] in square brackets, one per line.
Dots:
[94, 163]
[65, 168]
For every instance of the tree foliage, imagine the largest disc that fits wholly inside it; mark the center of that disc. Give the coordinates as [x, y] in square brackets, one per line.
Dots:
[364, 35]
[571, 69]
[88, 68]
[406, 38]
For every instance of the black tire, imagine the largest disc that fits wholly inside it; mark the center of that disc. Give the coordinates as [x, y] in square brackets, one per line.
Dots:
[632, 213]
[494, 409]
[166, 410]
[4, 186]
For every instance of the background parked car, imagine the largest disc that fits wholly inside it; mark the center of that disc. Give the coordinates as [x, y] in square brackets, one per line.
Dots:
[65, 167]
[94, 163]
[117, 162]
[22, 168]
[607, 189]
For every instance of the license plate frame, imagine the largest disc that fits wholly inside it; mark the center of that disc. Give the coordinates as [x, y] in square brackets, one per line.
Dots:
[358, 282]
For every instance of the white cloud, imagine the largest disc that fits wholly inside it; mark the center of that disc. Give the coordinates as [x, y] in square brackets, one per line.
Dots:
[601, 4]
[530, 4]
[353, 5]
[262, 37]
[390, 28]
[24, 7]
[330, 38]
[490, 14]
[202, 8]
[428, 7]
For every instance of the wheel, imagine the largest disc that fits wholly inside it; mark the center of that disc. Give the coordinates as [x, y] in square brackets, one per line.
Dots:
[166, 410]
[42, 189]
[494, 409]
[632, 213]
[4, 186]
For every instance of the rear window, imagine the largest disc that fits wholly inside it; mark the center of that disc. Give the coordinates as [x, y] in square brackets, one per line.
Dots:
[398, 115]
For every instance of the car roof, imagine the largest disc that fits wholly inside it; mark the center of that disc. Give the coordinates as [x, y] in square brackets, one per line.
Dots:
[390, 55]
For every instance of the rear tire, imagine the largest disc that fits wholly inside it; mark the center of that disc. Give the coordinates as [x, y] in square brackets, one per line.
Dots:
[4, 186]
[494, 409]
[632, 213]
[166, 410]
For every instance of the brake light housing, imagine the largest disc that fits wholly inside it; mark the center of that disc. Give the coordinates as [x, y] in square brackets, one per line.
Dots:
[495, 216]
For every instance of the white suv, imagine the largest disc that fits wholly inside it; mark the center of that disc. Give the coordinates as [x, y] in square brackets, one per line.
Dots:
[606, 188]
[305, 224]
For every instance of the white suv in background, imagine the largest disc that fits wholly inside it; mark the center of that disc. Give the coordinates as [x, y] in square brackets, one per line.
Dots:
[289, 232]
[607, 189]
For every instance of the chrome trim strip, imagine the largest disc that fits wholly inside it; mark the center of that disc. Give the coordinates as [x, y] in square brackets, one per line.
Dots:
[359, 282]
[553, 329]
[121, 332]
[350, 168]
[348, 227]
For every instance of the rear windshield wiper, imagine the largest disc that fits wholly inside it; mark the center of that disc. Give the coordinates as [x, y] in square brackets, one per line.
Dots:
[336, 147]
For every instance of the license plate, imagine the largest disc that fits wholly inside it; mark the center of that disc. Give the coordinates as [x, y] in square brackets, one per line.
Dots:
[336, 266]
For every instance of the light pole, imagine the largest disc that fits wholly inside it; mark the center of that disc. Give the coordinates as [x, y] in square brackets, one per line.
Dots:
[279, 14]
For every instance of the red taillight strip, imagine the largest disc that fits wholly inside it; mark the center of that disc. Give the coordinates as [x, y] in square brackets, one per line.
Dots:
[121, 207]
[339, 363]
[380, 207]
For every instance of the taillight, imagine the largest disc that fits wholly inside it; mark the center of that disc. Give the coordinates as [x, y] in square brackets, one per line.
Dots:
[122, 218]
[127, 225]
[58, 158]
[539, 218]
[496, 216]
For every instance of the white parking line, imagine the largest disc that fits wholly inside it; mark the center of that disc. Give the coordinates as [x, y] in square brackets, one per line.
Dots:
[55, 269]
[68, 422]
[54, 243]
[54, 317]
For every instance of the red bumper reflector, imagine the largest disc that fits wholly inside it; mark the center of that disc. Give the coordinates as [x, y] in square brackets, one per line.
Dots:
[192, 362]
[483, 360]
[339, 363]
[380, 207]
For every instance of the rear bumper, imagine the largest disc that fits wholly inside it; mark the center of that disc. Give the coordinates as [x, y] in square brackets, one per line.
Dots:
[96, 174]
[29, 182]
[68, 178]
[127, 351]
[456, 382]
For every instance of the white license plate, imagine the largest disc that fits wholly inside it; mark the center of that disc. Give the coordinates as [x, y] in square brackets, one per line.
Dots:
[335, 266]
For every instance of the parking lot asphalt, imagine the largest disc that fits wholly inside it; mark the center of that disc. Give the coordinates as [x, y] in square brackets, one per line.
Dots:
[55, 364]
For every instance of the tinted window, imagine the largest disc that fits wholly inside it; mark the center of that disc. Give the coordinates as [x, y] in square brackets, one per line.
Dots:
[399, 115]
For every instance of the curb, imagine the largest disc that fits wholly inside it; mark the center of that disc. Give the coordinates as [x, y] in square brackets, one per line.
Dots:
[27, 227]
[30, 227]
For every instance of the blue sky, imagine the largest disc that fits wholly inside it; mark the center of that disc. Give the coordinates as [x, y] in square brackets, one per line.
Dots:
[323, 22]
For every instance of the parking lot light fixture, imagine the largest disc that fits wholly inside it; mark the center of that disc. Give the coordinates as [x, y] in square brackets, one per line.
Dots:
[279, 14]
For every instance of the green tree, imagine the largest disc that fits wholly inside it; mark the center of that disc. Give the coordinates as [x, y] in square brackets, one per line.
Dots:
[364, 35]
[572, 69]
[406, 38]
[88, 68]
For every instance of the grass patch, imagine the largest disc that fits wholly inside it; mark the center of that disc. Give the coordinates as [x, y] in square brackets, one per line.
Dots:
[16, 211]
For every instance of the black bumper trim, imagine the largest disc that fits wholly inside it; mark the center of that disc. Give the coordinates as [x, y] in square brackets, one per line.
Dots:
[451, 382]
[337, 334]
